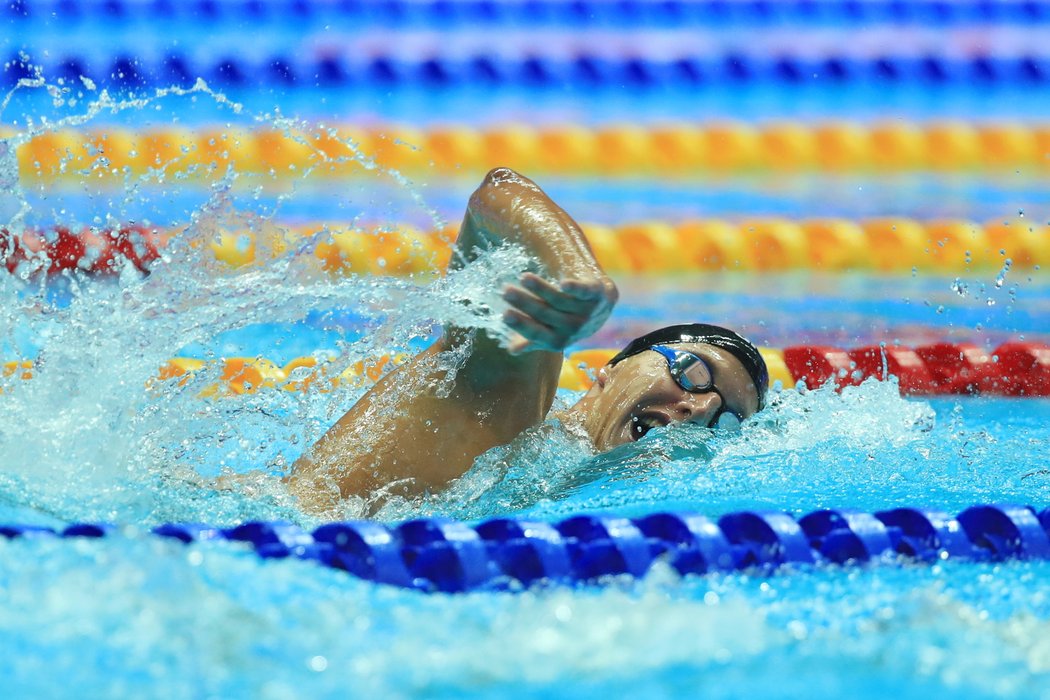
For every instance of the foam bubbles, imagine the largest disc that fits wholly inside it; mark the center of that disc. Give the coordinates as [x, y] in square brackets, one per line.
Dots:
[94, 436]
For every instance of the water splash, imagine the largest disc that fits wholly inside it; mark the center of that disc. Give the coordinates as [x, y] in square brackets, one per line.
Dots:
[94, 436]
[825, 437]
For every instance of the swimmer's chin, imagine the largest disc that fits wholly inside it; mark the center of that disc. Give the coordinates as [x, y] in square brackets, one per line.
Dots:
[663, 444]
[573, 423]
[644, 445]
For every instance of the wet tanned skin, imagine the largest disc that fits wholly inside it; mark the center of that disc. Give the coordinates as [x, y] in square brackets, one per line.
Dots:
[640, 389]
[404, 438]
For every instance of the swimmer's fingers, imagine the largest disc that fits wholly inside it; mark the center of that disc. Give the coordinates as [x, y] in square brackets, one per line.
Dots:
[571, 296]
[553, 317]
[553, 294]
[535, 335]
[589, 290]
[543, 311]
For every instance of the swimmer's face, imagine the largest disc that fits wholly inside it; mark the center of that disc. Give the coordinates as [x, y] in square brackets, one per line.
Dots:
[638, 393]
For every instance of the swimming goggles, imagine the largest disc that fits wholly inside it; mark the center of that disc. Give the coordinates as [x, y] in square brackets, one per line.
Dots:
[694, 375]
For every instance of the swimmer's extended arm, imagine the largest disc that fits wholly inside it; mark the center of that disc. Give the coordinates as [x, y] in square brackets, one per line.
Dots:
[402, 436]
[546, 315]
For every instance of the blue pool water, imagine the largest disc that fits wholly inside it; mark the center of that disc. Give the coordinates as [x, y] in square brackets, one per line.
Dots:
[92, 438]
[132, 613]
[85, 440]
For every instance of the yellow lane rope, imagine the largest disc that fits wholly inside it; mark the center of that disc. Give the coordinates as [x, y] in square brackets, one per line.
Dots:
[877, 244]
[677, 150]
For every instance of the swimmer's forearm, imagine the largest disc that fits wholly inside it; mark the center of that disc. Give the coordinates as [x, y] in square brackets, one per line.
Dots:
[572, 297]
[509, 207]
[424, 440]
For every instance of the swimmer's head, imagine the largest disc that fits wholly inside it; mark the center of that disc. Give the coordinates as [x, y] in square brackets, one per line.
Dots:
[697, 372]
[732, 342]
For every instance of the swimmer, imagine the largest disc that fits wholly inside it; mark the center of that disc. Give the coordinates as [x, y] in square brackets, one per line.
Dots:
[689, 373]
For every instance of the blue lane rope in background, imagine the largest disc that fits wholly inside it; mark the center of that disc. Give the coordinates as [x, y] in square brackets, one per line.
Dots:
[584, 71]
[570, 13]
[438, 554]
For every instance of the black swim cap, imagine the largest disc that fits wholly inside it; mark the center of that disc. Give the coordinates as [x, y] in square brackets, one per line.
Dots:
[733, 343]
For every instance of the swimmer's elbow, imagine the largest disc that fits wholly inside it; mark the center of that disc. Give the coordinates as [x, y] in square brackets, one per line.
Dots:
[500, 183]
[500, 193]
[501, 175]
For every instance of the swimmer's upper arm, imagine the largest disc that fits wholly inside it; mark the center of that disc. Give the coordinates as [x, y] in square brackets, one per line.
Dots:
[507, 207]
[546, 314]
[570, 301]
[496, 393]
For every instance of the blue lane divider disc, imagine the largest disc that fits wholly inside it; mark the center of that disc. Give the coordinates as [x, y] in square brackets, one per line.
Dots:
[261, 533]
[189, 532]
[766, 539]
[89, 530]
[366, 549]
[846, 535]
[447, 554]
[277, 540]
[695, 543]
[1006, 531]
[925, 534]
[527, 550]
[606, 545]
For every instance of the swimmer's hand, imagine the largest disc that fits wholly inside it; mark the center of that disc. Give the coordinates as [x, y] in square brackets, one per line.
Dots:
[547, 316]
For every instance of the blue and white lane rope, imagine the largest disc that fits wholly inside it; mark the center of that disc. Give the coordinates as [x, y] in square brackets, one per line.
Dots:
[445, 14]
[584, 71]
[437, 554]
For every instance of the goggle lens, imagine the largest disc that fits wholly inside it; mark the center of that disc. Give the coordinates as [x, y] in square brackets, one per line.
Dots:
[694, 375]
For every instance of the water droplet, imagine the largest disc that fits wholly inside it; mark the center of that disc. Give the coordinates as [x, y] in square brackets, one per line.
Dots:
[1001, 277]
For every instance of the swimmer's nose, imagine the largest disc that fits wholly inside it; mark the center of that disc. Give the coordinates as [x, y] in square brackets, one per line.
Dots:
[697, 408]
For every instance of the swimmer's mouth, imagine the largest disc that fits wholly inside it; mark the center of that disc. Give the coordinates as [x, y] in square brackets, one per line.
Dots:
[640, 424]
